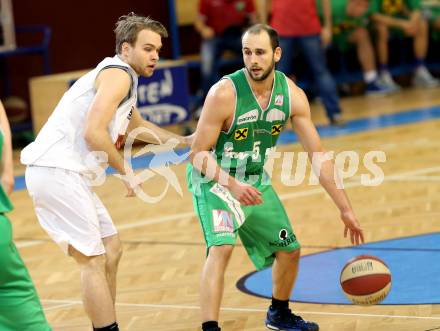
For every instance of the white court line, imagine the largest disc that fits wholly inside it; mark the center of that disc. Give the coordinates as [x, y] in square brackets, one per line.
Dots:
[318, 190]
[29, 243]
[62, 306]
[251, 310]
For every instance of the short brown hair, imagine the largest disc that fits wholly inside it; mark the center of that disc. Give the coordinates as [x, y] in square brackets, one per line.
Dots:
[128, 27]
[273, 34]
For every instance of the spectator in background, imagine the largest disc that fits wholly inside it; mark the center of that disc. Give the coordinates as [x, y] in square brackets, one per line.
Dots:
[431, 10]
[221, 23]
[297, 23]
[402, 16]
[350, 20]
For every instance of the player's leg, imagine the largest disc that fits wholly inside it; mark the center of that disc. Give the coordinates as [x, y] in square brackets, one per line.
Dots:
[20, 307]
[313, 51]
[212, 281]
[95, 290]
[219, 215]
[284, 272]
[113, 253]
[77, 231]
[382, 36]
[420, 41]
[268, 238]
[285, 63]
[365, 53]
[112, 244]
[422, 77]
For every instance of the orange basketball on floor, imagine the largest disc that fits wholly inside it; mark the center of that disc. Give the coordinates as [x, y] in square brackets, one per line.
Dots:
[365, 280]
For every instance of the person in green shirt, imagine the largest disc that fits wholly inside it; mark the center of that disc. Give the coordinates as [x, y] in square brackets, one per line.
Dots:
[431, 10]
[350, 28]
[20, 307]
[403, 17]
[242, 118]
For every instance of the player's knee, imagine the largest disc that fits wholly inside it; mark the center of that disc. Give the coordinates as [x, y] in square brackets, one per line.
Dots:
[222, 252]
[113, 256]
[90, 263]
[293, 256]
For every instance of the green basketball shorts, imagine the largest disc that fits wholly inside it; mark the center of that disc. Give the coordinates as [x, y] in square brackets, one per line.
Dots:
[20, 308]
[263, 229]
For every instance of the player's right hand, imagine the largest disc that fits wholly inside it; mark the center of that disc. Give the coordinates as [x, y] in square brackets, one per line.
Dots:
[352, 227]
[132, 183]
[246, 194]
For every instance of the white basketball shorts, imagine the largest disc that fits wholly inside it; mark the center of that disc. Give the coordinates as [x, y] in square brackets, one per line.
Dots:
[68, 210]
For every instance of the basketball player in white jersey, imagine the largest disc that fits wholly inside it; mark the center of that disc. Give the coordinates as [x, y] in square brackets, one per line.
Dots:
[94, 115]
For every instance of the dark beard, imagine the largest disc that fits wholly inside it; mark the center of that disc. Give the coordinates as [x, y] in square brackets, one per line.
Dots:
[264, 75]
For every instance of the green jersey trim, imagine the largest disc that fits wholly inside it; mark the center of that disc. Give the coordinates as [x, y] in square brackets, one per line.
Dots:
[235, 106]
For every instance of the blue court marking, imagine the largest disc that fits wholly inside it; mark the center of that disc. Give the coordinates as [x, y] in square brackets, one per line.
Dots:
[413, 262]
[288, 137]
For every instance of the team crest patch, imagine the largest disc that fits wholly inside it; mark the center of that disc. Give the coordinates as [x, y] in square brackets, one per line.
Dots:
[222, 221]
[241, 134]
[279, 100]
[276, 129]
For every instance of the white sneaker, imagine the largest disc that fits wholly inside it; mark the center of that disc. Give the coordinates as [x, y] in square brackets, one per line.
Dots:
[385, 79]
[423, 78]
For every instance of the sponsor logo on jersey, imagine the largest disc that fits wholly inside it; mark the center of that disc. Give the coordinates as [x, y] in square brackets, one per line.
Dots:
[222, 221]
[283, 234]
[279, 99]
[250, 116]
[276, 129]
[275, 115]
[241, 134]
[285, 239]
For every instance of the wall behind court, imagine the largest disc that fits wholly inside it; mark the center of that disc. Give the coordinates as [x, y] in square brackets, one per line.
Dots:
[82, 34]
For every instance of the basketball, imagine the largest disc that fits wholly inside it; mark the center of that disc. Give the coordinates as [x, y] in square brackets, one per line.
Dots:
[365, 280]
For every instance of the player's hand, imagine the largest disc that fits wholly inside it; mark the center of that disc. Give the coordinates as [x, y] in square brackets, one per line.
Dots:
[188, 140]
[132, 183]
[326, 36]
[410, 27]
[353, 227]
[246, 194]
[7, 182]
[207, 33]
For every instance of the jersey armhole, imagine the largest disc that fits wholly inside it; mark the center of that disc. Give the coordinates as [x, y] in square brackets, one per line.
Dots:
[290, 95]
[128, 96]
[235, 107]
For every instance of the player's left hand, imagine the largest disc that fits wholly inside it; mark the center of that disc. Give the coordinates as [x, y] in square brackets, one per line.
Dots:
[326, 36]
[352, 225]
[188, 140]
[7, 182]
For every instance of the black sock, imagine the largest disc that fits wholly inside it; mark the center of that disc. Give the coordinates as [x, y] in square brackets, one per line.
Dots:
[280, 304]
[210, 325]
[112, 327]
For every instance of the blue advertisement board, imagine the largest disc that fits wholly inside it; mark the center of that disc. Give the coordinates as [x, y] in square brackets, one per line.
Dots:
[164, 98]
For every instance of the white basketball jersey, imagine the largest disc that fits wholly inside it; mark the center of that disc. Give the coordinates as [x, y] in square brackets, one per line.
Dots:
[61, 143]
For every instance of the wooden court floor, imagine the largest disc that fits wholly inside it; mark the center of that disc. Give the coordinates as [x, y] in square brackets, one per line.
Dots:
[164, 248]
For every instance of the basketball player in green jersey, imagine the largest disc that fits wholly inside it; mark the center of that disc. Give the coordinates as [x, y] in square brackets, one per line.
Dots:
[241, 120]
[20, 308]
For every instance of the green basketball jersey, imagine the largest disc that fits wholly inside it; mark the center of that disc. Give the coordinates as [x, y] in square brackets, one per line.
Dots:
[254, 131]
[5, 203]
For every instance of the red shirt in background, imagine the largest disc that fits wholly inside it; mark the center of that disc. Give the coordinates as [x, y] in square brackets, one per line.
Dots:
[222, 14]
[295, 18]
